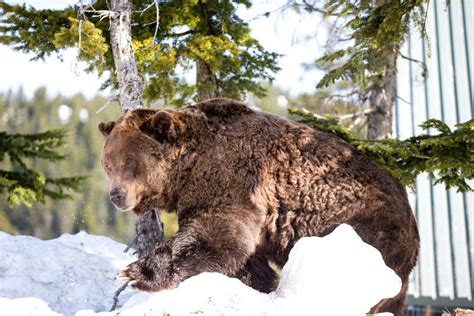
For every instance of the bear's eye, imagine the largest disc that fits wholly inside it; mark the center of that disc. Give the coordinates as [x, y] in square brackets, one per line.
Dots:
[130, 166]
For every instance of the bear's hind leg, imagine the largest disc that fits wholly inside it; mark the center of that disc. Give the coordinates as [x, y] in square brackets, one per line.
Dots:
[394, 305]
[258, 274]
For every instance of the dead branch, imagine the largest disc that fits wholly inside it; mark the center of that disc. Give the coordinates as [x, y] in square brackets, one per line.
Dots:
[354, 115]
[116, 295]
[110, 100]
[424, 72]
[133, 242]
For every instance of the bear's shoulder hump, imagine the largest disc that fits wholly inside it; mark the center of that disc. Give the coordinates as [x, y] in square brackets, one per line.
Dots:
[224, 108]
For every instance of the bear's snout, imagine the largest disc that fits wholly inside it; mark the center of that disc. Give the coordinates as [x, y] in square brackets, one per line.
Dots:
[117, 197]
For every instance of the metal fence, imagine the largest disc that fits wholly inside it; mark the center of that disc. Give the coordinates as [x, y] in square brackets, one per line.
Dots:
[444, 276]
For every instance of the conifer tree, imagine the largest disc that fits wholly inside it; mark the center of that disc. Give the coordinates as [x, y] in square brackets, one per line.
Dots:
[369, 35]
[24, 185]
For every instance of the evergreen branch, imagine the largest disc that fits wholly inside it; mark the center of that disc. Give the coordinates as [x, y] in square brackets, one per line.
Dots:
[30, 30]
[41, 145]
[448, 157]
[374, 28]
[23, 185]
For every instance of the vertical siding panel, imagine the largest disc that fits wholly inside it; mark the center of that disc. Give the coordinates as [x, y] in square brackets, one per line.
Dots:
[469, 207]
[404, 128]
[438, 194]
[467, 12]
[445, 64]
[445, 218]
[447, 100]
[461, 96]
[423, 196]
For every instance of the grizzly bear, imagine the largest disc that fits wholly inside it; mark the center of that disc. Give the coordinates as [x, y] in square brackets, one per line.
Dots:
[246, 186]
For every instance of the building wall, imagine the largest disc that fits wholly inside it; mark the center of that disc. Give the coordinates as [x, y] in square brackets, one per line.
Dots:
[445, 271]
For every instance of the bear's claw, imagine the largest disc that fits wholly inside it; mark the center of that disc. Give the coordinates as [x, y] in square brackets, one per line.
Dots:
[135, 278]
[123, 276]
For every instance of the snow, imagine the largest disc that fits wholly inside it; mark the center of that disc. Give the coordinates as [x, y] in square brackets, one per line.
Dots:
[74, 275]
[339, 270]
[70, 273]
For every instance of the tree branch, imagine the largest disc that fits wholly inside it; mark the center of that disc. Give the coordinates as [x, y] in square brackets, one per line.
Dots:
[422, 64]
[180, 34]
[116, 295]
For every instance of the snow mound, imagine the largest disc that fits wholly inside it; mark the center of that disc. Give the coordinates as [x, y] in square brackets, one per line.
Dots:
[25, 306]
[337, 270]
[70, 273]
[335, 275]
[204, 294]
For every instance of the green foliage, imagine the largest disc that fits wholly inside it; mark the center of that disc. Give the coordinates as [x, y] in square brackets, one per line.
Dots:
[24, 185]
[189, 30]
[92, 43]
[447, 156]
[326, 124]
[29, 30]
[376, 28]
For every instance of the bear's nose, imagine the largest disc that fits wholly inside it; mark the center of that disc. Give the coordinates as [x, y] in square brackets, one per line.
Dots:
[117, 196]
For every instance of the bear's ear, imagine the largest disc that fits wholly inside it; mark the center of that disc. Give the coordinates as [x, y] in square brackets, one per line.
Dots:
[106, 128]
[160, 126]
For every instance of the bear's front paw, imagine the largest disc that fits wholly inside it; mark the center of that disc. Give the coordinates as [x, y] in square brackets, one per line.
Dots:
[139, 276]
[143, 275]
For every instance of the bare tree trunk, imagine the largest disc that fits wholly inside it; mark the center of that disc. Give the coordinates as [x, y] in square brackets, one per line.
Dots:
[150, 233]
[148, 227]
[130, 83]
[381, 99]
[206, 82]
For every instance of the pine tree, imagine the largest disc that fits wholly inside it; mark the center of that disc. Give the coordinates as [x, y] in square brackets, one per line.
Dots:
[372, 33]
[368, 38]
[24, 185]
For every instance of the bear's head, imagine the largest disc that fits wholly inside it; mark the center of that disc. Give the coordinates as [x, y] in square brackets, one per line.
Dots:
[137, 158]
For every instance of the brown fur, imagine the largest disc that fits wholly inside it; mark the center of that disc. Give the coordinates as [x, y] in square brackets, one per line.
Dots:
[246, 186]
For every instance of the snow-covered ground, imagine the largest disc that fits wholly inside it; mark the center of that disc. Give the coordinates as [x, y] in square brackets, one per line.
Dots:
[74, 275]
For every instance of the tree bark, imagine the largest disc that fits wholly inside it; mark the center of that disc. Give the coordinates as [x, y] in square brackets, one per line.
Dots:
[206, 82]
[148, 227]
[381, 99]
[130, 83]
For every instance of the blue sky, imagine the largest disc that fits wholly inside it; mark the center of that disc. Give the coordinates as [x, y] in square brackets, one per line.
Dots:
[282, 33]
